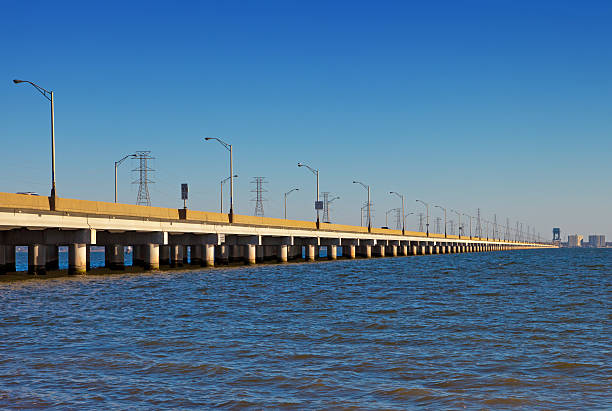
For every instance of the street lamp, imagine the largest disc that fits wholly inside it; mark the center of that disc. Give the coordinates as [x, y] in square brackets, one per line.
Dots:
[316, 173]
[221, 192]
[403, 212]
[427, 220]
[406, 216]
[459, 216]
[286, 194]
[443, 208]
[367, 187]
[231, 169]
[117, 163]
[387, 216]
[49, 96]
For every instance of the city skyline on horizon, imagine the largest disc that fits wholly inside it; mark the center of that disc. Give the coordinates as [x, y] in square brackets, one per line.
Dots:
[368, 104]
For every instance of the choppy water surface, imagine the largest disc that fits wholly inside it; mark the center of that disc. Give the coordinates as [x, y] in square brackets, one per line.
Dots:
[527, 329]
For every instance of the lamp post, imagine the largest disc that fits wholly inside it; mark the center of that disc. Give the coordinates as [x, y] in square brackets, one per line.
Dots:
[231, 169]
[443, 208]
[403, 212]
[117, 163]
[406, 216]
[367, 187]
[221, 192]
[49, 96]
[458, 216]
[427, 220]
[286, 194]
[316, 173]
[387, 216]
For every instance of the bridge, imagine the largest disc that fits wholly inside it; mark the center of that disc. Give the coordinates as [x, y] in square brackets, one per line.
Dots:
[160, 237]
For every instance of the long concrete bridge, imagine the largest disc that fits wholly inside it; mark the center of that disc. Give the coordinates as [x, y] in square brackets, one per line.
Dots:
[160, 236]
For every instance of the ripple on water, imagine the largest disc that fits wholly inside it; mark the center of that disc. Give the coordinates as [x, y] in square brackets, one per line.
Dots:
[527, 329]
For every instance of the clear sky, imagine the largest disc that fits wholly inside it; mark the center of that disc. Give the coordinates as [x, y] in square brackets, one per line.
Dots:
[500, 105]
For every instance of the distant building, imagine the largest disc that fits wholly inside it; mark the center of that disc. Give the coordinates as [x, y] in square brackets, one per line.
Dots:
[574, 240]
[597, 241]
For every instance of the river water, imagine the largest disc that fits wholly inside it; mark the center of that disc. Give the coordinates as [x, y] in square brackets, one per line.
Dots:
[526, 329]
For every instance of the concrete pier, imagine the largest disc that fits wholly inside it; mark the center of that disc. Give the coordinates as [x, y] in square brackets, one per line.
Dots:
[151, 257]
[250, 254]
[37, 259]
[209, 255]
[77, 258]
[176, 255]
[52, 258]
[311, 252]
[164, 255]
[197, 255]
[332, 252]
[379, 250]
[114, 257]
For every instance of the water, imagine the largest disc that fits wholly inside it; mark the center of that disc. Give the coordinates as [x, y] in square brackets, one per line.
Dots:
[525, 329]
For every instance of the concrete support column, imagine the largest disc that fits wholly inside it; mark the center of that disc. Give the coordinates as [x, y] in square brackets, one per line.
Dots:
[36, 259]
[311, 252]
[4, 250]
[348, 251]
[186, 251]
[209, 255]
[454, 248]
[88, 257]
[77, 259]
[404, 250]
[136, 256]
[393, 250]
[164, 255]
[379, 250]
[51, 258]
[115, 257]
[196, 254]
[421, 250]
[259, 254]
[283, 253]
[430, 249]
[332, 252]
[443, 249]
[367, 251]
[222, 254]
[151, 257]
[413, 250]
[436, 249]
[250, 253]
[176, 255]
[236, 253]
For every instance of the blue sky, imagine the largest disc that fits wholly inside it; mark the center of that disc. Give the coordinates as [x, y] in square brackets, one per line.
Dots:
[503, 106]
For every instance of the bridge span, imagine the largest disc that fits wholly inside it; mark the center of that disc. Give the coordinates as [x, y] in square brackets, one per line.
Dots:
[160, 236]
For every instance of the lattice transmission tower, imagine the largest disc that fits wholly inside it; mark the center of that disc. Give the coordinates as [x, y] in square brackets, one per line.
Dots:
[421, 218]
[145, 173]
[478, 225]
[398, 218]
[495, 233]
[438, 224]
[328, 198]
[507, 234]
[259, 199]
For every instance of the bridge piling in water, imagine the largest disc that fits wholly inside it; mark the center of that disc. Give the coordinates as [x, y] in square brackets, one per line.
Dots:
[161, 238]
